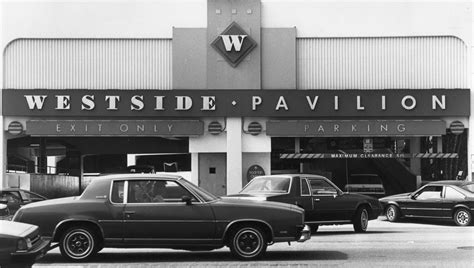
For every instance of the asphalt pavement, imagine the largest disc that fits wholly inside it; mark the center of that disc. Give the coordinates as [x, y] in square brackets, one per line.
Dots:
[410, 243]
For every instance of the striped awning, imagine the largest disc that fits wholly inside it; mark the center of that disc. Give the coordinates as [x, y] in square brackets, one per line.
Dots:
[368, 155]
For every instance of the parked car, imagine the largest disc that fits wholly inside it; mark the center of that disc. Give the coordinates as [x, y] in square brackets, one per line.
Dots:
[368, 184]
[4, 211]
[161, 211]
[20, 243]
[324, 203]
[15, 198]
[440, 199]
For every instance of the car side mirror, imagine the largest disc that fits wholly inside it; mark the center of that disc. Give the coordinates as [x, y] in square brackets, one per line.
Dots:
[412, 197]
[186, 199]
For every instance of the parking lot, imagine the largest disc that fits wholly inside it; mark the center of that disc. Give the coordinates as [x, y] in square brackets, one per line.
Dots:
[410, 243]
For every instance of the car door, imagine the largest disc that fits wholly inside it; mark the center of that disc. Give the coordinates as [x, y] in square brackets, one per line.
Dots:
[303, 198]
[165, 220]
[328, 204]
[426, 202]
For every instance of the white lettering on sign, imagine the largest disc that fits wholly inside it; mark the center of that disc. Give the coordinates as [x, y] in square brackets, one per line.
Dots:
[384, 128]
[112, 100]
[235, 41]
[281, 104]
[336, 128]
[73, 128]
[312, 103]
[401, 127]
[159, 103]
[306, 127]
[359, 105]
[437, 102]
[405, 105]
[35, 101]
[208, 103]
[88, 102]
[63, 102]
[384, 105]
[183, 103]
[137, 103]
[123, 127]
[170, 127]
[336, 103]
[321, 128]
[140, 128]
[58, 128]
[256, 100]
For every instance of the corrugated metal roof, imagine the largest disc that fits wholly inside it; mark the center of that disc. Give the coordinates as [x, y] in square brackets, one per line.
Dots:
[382, 63]
[88, 64]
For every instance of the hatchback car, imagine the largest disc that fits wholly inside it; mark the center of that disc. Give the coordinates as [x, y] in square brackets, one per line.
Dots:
[161, 211]
[440, 199]
[324, 203]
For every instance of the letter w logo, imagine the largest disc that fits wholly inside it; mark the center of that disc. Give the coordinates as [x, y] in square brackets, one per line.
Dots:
[235, 41]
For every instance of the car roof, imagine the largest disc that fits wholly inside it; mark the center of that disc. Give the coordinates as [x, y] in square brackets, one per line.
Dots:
[450, 182]
[294, 175]
[137, 176]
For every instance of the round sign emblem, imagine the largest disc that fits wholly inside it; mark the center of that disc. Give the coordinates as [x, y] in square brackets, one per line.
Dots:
[15, 128]
[254, 171]
[214, 128]
[255, 128]
[456, 127]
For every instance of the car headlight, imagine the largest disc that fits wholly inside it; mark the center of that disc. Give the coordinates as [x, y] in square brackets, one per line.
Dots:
[21, 244]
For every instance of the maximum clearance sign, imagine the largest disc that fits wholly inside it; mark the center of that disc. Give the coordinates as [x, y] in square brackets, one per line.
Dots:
[237, 103]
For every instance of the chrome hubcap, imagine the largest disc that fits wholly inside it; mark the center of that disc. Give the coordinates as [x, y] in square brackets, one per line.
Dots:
[248, 242]
[79, 244]
[462, 217]
[364, 219]
[390, 213]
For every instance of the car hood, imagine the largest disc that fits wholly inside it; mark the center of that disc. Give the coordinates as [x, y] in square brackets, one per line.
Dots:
[396, 197]
[48, 202]
[16, 229]
[251, 200]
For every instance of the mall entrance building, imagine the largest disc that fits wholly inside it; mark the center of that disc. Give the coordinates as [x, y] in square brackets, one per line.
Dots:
[222, 91]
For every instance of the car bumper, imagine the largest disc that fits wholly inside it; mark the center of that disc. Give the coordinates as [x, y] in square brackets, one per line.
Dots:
[34, 253]
[305, 234]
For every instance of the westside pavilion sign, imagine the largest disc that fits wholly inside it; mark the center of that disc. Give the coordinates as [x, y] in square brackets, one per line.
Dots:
[237, 103]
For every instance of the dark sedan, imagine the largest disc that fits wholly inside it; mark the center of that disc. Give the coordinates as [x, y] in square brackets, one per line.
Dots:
[161, 211]
[323, 202]
[20, 244]
[15, 198]
[440, 199]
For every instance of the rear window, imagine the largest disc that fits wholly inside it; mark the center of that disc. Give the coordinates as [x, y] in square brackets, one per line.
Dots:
[469, 187]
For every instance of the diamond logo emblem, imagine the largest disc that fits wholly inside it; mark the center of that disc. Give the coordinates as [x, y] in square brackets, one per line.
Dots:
[234, 44]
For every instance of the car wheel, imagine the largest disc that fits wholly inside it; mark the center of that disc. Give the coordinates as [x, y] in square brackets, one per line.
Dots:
[361, 220]
[462, 217]
[78, 243]
[248, 243]
[392, 213]
[314, 228]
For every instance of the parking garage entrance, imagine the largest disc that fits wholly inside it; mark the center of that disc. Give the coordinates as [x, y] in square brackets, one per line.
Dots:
[54, 154]
[396, 163]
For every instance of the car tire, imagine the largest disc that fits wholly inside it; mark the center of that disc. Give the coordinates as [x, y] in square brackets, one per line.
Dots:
[462, 217]
[314, 228]
[248, 242]
[78, 243]
[392, 213]
[361, 220]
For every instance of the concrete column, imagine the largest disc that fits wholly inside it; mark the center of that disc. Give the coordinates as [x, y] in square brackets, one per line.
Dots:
[131, 159]
[195, 168]
[415, 163]
[3, 156]
[234, 155]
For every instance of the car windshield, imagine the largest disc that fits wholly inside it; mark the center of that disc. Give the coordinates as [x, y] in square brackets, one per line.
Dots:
[365, 179]
[469, 187]
[201, 192]
[267, 184]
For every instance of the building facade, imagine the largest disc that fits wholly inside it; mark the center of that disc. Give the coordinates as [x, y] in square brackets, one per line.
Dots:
[222, 91]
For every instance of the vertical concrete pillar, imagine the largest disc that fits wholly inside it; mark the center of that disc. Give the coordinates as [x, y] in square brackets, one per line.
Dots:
[234, 155]
[415, 163]
[131, 159]
[195, 168]
[3, 156]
